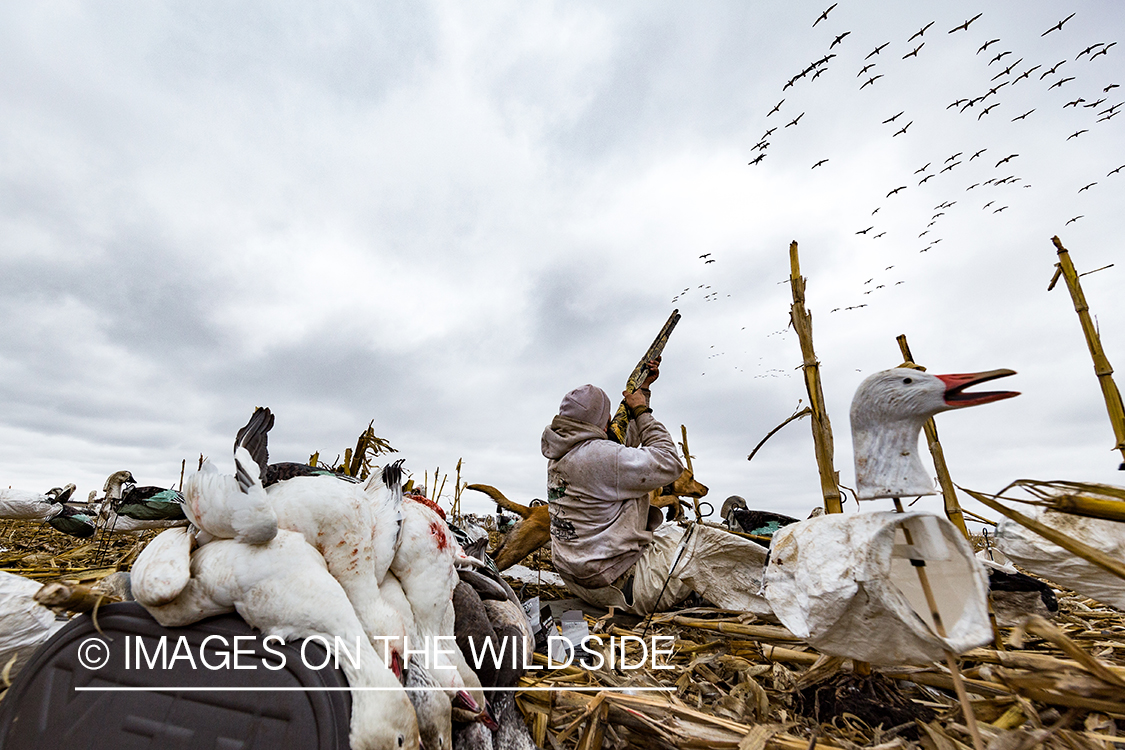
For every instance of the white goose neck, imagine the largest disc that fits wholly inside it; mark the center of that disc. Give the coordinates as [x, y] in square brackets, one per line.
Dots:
[887, 463]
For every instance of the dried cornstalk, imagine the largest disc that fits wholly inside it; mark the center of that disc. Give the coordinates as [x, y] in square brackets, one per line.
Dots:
[1031, 661]
[1102, 368]
[1078, 498]
[795, 415]
[821, 427]
[72, 597]
[767, 632]
[1040, 627]
[662, 721]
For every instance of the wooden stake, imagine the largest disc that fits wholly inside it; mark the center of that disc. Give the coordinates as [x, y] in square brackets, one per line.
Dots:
[821, 427]
[1102, 368]
[950, 659]
[687, 460]
[948, 492]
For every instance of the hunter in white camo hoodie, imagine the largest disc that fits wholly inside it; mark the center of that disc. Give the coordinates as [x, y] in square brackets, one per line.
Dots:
[598, 490]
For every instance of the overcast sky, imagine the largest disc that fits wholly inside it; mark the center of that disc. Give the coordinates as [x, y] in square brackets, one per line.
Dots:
[443, 216]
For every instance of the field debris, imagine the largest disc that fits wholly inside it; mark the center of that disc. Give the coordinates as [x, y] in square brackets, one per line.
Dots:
[737, 681]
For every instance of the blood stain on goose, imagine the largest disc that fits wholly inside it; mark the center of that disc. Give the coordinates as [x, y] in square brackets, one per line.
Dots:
[439, 534]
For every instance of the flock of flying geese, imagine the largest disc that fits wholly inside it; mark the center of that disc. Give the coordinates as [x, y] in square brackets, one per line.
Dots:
[1005, 68]
[987, 174]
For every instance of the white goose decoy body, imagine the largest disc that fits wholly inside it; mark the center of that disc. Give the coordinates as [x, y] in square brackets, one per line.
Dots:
[25, 505]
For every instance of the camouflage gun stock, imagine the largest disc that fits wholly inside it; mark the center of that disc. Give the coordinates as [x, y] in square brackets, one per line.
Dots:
[620, 420]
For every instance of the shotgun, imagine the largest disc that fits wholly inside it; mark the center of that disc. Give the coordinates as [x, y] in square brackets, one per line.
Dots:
[620, 420]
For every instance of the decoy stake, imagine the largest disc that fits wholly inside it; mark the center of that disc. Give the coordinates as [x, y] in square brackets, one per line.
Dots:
[939, 627]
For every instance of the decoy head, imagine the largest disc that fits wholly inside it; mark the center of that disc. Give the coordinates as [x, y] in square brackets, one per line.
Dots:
[913, 395]
[60, 494]
[888, 411]
[732, 502]
[114, 483]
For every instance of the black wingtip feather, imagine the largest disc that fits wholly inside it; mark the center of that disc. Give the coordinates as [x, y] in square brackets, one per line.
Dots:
[392, 474]
[253, 437]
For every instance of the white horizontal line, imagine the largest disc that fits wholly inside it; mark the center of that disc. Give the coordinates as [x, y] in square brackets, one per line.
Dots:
[131, 689]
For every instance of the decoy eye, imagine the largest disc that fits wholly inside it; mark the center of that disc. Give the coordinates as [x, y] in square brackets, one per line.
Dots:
[908, 381]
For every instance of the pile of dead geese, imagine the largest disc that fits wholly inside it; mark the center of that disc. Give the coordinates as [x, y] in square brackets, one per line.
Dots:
[300, 552]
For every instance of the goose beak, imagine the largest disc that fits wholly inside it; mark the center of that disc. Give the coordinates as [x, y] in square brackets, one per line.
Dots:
[488, 719]
[396, 665]
[463, 700]
[955, 385]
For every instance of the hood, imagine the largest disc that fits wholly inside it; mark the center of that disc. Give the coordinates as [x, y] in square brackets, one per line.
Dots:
[586, 404]
[564, 433]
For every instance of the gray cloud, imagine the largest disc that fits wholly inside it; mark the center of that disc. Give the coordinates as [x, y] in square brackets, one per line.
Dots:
[444, 220]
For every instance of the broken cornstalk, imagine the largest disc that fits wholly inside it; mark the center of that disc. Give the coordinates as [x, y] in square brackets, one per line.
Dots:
[1102, 368]
[687, 460]
[948, 492]
[457, 488]
[821, 427]
[795, 415]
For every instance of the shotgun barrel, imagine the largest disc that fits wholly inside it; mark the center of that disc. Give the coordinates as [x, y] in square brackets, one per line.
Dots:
[620, 420]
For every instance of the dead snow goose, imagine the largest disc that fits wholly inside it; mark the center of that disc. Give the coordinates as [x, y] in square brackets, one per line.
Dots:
[163, 568]
[355, 527]
[234, 507]
[283, 588]
[425, 565]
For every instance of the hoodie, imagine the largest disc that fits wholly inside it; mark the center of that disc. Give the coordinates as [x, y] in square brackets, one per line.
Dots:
[598, 495]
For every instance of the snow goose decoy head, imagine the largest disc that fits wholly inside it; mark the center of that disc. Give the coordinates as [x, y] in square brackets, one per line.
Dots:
[115, 483]
[60, 494]
[887, 414]
[732, 502]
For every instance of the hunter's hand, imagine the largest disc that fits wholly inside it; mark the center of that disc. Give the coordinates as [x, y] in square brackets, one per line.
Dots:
[653, 368]
[634, 400]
